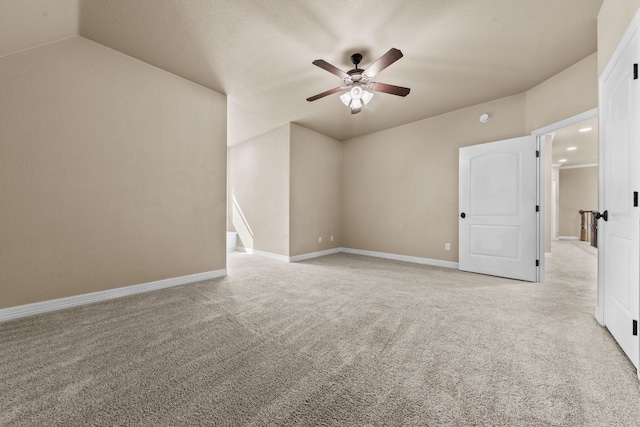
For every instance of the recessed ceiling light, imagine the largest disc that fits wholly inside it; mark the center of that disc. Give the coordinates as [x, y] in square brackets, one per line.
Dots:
[585, 130]
[572, 148]
[562, 160]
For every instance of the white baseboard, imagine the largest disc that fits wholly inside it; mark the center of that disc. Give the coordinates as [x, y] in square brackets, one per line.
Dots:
[568, 238]
[311, 255]
[285, 258]
[405, 258]
[396, 257]
[76, 300]
[599, 317]
[270, 255]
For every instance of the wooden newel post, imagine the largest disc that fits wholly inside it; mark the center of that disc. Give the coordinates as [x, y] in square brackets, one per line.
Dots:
[594, 231]
[583, 225]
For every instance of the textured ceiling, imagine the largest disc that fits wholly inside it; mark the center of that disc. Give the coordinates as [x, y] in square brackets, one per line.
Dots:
[457, 53]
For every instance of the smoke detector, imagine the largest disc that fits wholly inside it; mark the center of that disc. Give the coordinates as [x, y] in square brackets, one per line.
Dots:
[485, 117]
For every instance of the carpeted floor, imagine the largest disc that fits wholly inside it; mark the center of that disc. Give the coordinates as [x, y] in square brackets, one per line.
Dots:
[340, 340]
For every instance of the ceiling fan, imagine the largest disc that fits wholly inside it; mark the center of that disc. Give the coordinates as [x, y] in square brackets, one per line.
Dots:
[358, 86]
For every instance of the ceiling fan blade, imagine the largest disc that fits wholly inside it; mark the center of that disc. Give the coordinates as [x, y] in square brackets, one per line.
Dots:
[383, 62]
[330, 68]
[393, 90]
[325, 93]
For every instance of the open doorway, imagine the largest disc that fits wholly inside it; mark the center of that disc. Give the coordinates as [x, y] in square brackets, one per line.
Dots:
[571, 183]
[574, 182]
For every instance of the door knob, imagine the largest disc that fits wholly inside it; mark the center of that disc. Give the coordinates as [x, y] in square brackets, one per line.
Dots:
[604, 215]
[462, 215]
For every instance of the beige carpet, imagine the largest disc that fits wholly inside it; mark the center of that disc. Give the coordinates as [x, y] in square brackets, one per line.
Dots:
[339, 340]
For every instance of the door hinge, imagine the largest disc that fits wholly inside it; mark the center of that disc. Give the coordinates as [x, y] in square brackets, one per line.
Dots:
[635, 327]
[635, 199]
[537, 208]
[635, 71]
[537, 153]
[537, 263]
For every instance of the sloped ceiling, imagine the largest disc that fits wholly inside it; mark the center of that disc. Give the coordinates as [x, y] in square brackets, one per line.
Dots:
[259, 52]
[25, 24]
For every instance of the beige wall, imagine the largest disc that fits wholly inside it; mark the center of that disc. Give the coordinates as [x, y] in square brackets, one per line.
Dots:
[316, 191]
[578, 190]
[112, 173]
[288, 185]
[613, 20]
[259, 181]
[570, 92]
[25, 24]
[401, 185]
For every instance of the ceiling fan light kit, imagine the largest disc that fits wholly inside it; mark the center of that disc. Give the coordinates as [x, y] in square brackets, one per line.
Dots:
[356, 97]
[358, 88]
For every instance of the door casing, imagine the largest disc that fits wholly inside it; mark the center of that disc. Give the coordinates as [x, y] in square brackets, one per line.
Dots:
[632, 31]
[540, 134]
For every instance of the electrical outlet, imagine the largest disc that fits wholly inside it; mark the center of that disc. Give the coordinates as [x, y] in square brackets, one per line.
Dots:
[331, 238]
[447, 246]
[320, 239]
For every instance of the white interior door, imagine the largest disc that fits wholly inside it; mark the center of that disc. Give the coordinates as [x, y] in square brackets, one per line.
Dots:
[619, 235]
[498, 222]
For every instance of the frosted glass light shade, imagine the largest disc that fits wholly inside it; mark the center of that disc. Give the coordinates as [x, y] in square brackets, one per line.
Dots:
[356, 97]
[356, 92]
[366, 96]
[346, 98]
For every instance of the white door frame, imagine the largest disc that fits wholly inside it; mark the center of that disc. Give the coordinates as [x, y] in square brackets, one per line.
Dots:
[540, 133]
[631, 31]
[554, 212]
[635, 23]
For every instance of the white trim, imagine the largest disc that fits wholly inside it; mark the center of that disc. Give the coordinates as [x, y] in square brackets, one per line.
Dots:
[548, 255]
[396, 257]
[542, 206]
[17, 312]
[541, 182]
[631, 32]
[405, 258]
[586, 165]
[599, 316]
[568, 238]
[270, 255]
[243, 249]
[311, 255]
[554, 210]
[566, 122]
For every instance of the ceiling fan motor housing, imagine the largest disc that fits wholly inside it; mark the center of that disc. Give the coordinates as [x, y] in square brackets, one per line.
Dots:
[356, 58]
